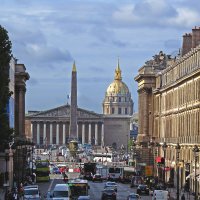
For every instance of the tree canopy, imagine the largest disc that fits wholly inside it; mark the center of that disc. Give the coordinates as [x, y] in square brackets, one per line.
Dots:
[5, 57]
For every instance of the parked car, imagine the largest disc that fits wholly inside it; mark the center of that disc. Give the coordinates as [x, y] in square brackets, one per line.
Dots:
[111, 185]
[142, 189]
[109, 193]
[56, 170]
[44, 153]
[97, 177]
[133, 196]
[84, 198]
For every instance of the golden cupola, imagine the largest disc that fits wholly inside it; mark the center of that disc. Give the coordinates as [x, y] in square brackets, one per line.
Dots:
[118, 98]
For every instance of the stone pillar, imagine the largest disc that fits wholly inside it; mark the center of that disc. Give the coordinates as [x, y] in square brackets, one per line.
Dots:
[96, 134]
[83, 133]
[64, 136]
[32, 132]
[44, 134]
[89, 134]
[21, 111]
[38, 133]
[102, 135]
[77, 130]
[10, 168]
[57, 133]
[51, 134]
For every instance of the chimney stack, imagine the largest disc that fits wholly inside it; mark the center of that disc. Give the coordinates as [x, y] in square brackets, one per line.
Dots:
[195, 36]
[187, 43]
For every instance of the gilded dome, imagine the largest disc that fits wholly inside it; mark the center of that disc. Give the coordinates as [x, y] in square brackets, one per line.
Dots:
[117, 87]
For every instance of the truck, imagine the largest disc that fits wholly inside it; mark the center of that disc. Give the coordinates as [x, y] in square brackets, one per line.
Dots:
[89, 169]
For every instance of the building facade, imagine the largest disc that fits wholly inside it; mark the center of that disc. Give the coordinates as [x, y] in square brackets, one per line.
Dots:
[169, 112]
[53, 126]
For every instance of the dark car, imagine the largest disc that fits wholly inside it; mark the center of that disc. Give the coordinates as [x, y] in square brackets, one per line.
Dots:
[111, 185]
[109, 194]
[56, 170]
[97, 177]
[133, 196]
[143, 189]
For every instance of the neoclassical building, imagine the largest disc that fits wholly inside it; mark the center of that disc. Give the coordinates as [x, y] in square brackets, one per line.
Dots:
[169, 111]
[53, 126]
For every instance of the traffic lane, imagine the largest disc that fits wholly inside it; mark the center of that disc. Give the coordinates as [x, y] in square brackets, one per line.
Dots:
[54, 179]
[123, 190]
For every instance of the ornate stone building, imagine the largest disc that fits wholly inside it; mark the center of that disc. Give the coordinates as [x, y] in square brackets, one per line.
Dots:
[53, 126]
[118, 99]
[169, 111]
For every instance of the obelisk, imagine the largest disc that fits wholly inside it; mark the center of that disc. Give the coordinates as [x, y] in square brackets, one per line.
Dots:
[73, 143]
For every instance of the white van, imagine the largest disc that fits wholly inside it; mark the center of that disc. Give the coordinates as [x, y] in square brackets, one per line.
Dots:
[160, 195]
[60, 192]
[32, 192]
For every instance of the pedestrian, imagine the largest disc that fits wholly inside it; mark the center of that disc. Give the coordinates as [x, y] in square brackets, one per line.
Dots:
[183, 197]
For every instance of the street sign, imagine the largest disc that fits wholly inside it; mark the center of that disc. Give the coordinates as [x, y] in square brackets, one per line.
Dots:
[148, 170]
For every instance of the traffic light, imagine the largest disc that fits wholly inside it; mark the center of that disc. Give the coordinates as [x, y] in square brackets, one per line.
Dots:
[162, 161]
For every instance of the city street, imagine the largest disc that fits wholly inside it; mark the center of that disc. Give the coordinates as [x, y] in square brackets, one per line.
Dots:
[95, 191]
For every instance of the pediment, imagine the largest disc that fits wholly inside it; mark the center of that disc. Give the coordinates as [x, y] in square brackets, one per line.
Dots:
[64, 111]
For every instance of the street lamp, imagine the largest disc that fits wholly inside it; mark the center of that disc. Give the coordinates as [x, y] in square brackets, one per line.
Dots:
[164, 147]
[178, 147]
[196, 154]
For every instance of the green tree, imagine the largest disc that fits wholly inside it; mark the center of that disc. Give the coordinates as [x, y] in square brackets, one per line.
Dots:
[5, 57]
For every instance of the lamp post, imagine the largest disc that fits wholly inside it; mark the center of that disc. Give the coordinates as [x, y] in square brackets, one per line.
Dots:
[178, 147]
[164, 147]
[196, 152]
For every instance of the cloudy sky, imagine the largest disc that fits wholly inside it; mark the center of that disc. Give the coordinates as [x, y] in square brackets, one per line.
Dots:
[48, 35]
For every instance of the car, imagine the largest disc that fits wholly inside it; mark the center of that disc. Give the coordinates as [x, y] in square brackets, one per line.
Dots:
[109, 193]
[44, 153]
[60, 191]
[56, 170]
[97, 177]
[84, 198]
[133, 196]
[111, 185]
[31, 193]
[142, 189]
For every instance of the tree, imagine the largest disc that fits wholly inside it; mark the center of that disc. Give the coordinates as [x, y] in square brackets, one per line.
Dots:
[5, 57]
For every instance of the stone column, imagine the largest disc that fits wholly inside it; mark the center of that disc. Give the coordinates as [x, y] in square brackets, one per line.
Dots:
[77, 130]
[44, 134]
[38, 133]
[51, 134]
[96, 134]
[89, 134]
[102, 135]
[32, 132]
[64, 136]
[57, 133]
[21, 111]
[83, 133]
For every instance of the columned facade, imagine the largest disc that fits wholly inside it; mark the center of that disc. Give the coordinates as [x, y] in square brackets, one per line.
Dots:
[171, 119]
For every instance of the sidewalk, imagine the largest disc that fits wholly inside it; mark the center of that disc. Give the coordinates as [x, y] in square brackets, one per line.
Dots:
[173, 194]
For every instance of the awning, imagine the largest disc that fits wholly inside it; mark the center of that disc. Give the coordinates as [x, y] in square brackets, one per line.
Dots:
[158, 159]
[193, 174]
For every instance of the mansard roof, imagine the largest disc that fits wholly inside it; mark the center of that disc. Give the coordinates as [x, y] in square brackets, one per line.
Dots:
[62, 112]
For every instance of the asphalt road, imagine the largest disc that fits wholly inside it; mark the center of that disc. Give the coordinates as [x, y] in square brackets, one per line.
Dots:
[95, 190]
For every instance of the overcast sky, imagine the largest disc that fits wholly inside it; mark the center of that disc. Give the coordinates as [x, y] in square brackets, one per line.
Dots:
[48, 35]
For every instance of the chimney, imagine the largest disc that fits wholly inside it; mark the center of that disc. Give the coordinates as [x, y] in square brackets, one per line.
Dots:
[195, 36]
[187, 43]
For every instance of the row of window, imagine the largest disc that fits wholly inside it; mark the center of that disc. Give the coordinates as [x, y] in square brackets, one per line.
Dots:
[179, 125]
[178, 97]
[183, 68]
[118, 99]
[117, 111]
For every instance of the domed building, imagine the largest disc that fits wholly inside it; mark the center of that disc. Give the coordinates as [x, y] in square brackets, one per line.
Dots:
[118, 99]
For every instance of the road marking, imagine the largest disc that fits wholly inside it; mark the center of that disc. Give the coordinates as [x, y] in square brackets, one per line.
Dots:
[50, 185]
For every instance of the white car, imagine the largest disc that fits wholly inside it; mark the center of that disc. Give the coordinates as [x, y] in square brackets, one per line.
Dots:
[44, 153]
[111, 185]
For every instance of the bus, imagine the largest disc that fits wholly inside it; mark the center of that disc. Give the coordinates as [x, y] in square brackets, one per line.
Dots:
[103, 157]
[78, 187]
[42, 170]
[115, 173]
